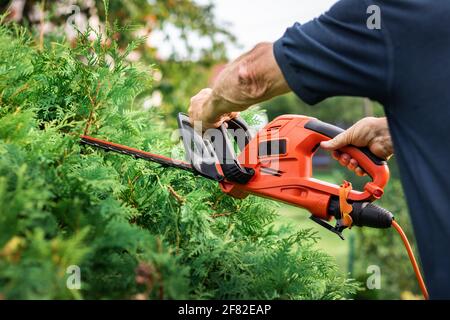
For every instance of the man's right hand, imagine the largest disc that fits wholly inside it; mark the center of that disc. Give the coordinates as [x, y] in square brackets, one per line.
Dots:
[368, 132]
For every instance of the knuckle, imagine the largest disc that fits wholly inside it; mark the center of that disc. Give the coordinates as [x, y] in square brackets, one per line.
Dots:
[378, 150]
[367, 121]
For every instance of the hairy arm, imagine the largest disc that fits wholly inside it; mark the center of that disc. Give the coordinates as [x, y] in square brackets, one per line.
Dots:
[254, 77]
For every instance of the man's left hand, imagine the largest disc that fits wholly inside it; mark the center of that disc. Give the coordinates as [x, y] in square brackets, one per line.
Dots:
[202, 108]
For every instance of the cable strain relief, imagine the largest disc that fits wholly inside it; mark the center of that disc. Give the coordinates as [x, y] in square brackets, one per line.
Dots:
[366, 214]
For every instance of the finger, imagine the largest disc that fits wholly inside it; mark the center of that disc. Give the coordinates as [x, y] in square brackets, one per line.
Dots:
[228, 116]
[344, 159]
[336, 155]
[205, 92]
[224, 121]
[337, 142]
[234, 115]
[352, 165]
[360, 172]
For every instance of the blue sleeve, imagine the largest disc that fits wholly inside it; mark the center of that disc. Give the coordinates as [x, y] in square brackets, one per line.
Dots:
[336, 55]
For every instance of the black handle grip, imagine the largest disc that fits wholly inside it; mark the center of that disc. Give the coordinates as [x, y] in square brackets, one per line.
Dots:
[198, 151]
[241, 134]
[332, 131]
[223, 147]
[214, 146]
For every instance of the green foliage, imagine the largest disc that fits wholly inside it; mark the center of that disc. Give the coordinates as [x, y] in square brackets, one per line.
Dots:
[136, 230]
[179, 21]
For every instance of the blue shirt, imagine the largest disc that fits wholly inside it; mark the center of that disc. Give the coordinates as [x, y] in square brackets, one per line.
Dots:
[404, 65]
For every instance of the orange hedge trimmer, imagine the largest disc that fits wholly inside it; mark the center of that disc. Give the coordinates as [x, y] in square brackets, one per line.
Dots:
[277, 164]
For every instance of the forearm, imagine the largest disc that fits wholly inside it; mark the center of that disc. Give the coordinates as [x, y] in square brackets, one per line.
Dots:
[250, 79]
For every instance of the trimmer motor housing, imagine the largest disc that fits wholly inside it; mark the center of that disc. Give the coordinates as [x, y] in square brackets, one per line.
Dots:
[276, 163]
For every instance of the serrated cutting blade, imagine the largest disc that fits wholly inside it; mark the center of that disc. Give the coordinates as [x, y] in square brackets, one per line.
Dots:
[136, 153]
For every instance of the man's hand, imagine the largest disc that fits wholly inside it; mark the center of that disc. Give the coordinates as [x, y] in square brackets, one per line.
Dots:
[250, 79]
[368, 132]
[202, 108]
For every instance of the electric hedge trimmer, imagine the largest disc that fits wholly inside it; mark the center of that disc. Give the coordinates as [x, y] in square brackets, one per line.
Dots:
[276, 163]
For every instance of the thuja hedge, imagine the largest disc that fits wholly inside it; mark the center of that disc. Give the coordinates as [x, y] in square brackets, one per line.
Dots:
[134, 230]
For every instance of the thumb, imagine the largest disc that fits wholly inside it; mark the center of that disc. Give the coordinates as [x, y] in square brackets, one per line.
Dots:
[341, 140]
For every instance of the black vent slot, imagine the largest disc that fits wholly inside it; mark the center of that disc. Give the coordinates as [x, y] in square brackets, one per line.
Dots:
[272, 148]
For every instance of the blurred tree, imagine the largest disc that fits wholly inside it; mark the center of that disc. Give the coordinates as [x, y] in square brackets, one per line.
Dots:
[342, 111]
[188, 17]
[178, 24]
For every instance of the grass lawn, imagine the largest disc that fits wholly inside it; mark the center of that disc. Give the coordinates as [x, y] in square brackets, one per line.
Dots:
[329, 241]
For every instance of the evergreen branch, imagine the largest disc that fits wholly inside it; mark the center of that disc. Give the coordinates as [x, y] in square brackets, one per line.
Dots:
[94, 106]
[179, 198]
[19, 91]
[217, 201]
[224, 214]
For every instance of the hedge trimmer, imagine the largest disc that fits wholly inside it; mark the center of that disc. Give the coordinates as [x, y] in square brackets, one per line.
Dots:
[276, 163]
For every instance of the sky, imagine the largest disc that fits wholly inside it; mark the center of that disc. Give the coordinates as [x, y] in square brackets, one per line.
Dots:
[253, 21]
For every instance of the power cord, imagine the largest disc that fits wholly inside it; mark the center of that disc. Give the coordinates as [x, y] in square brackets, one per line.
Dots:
[419, 277]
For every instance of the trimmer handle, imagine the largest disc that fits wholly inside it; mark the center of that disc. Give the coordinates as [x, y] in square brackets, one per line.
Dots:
[214, 146]
[374, 166]
[224, 148]
[332, 131]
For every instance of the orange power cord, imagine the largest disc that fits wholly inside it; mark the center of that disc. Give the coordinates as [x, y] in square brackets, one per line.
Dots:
[419, 277]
